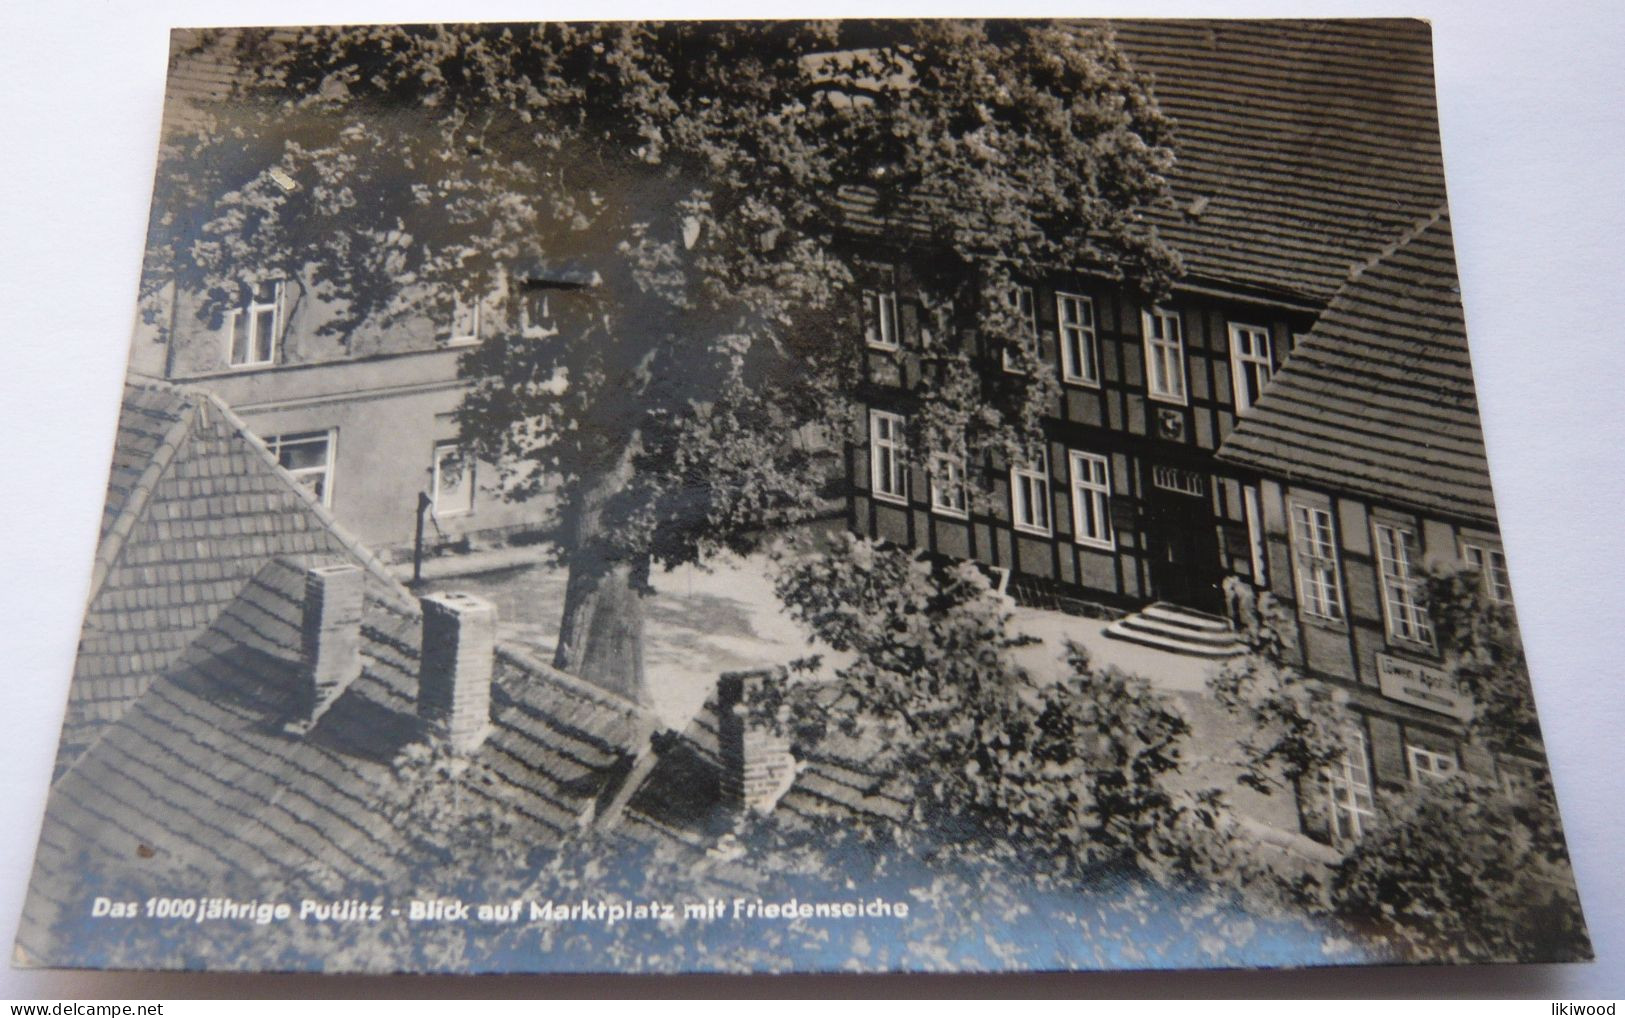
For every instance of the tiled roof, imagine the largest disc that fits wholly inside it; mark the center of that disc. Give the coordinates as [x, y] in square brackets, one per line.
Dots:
[200, 776]
[1378, 398]
[1302, 146]
[195, 506]
[834, 778]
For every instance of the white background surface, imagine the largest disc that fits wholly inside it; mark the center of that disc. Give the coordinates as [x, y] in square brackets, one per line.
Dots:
[1534, 136]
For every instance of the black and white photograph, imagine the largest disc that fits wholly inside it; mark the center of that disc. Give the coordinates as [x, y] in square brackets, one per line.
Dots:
[897, 495]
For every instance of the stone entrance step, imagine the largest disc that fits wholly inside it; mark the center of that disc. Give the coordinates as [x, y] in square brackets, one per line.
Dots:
[1180, 630]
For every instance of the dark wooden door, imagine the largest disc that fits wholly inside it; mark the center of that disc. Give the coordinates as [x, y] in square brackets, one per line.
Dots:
[1182, 541]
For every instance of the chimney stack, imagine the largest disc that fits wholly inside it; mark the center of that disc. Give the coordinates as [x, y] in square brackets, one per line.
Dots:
[757, 767]
[330, 637]
[454, 678]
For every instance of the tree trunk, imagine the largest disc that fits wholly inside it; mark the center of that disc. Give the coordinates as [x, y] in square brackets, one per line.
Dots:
[601, 635]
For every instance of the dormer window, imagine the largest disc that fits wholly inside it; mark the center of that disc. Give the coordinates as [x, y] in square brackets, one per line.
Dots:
[465, 323]
[252, 330]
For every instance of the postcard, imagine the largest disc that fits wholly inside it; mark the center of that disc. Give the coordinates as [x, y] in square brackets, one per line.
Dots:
[914, 495]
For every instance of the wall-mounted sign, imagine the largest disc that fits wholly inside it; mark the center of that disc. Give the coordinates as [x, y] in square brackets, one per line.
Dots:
[1422, 686]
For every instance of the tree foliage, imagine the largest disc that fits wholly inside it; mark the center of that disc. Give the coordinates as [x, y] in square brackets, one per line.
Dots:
[702, 177]
[1295, 726]
[1068, 779]
[1483, 652]
[1464, 870]
[1470, 868]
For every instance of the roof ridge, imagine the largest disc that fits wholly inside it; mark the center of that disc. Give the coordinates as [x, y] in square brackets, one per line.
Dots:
[135, 506]
[1388, 250]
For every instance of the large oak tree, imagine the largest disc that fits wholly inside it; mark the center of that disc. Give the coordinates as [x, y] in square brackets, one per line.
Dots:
[686, 190]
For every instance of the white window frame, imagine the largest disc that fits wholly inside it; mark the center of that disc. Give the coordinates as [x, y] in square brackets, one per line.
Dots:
[880, 324]
[1165, 379]
[1254, 362]
[1080, 345]
[437, 493]
[246, 317]
[276, 443]
[1091, 476]
[1025, 302]
[1318, 570]
[1350, 801]
[888, 457]
[1406, 617]
[949, 494]
[1030, 499]
[536, 315]
[462, 312]
[1254, 512]
[1490, 562]
[1425, 764]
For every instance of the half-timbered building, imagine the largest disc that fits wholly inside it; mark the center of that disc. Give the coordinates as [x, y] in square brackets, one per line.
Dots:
[1369, 459]
[1298, 158]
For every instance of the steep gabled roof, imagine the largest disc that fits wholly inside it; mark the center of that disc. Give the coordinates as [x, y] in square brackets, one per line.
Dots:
[1302, 145]
[1378, 398]
[202, 777]
[195, 507]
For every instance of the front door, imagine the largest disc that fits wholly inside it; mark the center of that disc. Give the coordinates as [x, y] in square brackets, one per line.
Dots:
[1182, 539]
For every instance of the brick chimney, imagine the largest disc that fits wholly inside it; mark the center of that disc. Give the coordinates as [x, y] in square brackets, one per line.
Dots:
[330, 638]
[454, 676]
[757, 767]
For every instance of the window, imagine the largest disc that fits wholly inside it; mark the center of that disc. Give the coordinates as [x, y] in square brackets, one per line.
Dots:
[1316, 551]
[1091, 499]
[1348, 791]
[1250, 364]
[1491, 564]
[465, 323]
[1185, 482]
[1518, 777]
[948, 494]
[888, 473]
[1428, 765]
[1021, 300]
[880, 319]
[1407, 618]
[453, 482]
[1164, 356]
[254, 327]
[1080, 357]
[535, 314]
[1029, 496]
[309, 458]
